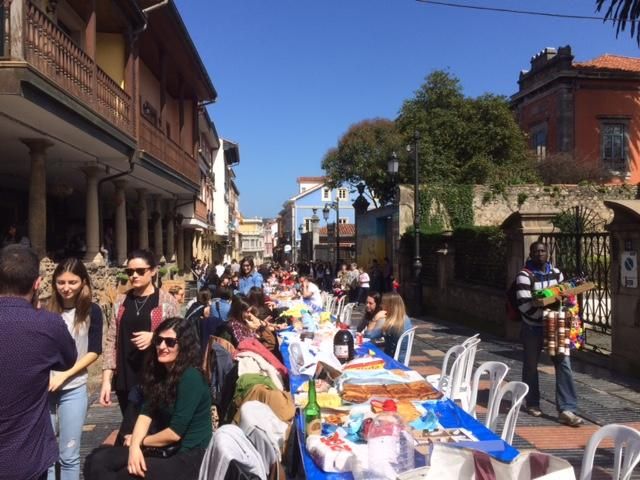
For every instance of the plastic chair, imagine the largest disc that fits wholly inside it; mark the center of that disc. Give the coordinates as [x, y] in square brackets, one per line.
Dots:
[626, 451]
[451, 371]
[517, 391]
[470, 344]
[408, 336]
[497, 372]
[330, 304]
[346, 313]
[338, 306]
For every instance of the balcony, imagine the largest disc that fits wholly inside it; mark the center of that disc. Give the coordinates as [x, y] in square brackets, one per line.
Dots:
[52, 53]
[155, 142]
[201, 210]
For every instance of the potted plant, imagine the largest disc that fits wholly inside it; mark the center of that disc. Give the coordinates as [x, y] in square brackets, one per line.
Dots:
[162, 272]
[122, 278]
[173, 270]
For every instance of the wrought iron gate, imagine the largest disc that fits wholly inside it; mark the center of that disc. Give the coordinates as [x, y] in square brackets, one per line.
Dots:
[588, 254]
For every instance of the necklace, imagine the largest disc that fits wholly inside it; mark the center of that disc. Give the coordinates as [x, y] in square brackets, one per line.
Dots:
[140, 305]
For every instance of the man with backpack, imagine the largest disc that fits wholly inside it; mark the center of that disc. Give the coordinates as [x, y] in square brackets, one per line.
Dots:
[539, 274]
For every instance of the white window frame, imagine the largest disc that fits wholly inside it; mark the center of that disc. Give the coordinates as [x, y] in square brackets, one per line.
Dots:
[343, 221]
[342, 195]
[326, 194]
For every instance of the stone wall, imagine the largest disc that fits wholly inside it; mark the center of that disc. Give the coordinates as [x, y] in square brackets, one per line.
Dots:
[492, 208]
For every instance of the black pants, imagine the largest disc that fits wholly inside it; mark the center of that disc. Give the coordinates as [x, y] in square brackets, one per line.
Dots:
[130, 408]
[110, 463]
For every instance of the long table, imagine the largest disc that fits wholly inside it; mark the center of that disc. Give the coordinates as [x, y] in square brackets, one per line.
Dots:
[449, 415]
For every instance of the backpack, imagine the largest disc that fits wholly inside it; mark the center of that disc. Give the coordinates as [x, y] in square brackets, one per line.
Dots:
[217, 362]
[511, 304]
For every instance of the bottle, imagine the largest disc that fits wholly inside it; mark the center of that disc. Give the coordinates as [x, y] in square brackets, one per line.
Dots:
[343, 345]
[391, 447]
[311, 412]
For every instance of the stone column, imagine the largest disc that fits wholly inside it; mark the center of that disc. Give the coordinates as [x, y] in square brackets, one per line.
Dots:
[143, 219]
[92, 217]
[180, 249]
[171, 250]
[121, 223]
[38, 194]
[188, 247]
[157, 229]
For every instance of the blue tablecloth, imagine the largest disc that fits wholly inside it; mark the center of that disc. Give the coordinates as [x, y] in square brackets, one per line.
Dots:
[449, 415]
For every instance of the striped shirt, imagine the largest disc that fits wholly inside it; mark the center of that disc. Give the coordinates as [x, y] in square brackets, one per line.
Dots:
[530, 280]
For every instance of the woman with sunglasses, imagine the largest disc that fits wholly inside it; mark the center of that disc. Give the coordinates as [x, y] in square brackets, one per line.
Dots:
[68, 390]
[136, 316]
[176, 413]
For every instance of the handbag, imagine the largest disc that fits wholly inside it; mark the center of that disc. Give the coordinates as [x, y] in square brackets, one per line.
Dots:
[161, 452]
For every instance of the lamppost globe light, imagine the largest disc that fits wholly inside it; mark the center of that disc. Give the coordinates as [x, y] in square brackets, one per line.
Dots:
[393, 164]
[325, 212]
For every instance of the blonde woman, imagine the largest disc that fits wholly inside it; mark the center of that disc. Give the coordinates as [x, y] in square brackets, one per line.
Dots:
[396, 322]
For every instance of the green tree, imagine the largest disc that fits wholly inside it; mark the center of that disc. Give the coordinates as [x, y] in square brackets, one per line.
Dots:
[362, 155]
[622, 12]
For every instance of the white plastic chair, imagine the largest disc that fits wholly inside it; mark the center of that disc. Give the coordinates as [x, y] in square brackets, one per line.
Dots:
[346, 313]
[330, 304]
[626, 451]
[517, 391]
[461, 373]
[337, 307]
[470, 344]
[448, 380]
[408, 336]
[497, 372]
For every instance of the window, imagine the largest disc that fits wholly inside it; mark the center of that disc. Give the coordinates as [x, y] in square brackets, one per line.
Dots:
[342, 221]
[308, 225]
[538, 137]
[343, 194]
[615, 145]
[326, 194]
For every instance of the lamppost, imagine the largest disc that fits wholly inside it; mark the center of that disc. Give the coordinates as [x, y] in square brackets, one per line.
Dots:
[417, 261]
[300, 230]
[325, 214]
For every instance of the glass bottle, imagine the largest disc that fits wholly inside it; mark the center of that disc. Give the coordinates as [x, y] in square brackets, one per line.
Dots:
[311, 412]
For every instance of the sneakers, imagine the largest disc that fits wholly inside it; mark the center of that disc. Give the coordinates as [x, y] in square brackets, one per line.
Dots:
[570, 418]
[533, 411]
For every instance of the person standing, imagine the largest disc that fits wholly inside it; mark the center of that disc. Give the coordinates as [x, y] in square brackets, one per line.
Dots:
[33, 342]
[538, 274]
[68, 389]
[136, 316]
[363, 280]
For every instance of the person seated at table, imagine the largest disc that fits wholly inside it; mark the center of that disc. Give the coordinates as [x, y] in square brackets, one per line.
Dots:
[396, 322]
[244, 323]
[310, 292]
[200, 309]
[176, 412]
[257, 299]
[374, 316]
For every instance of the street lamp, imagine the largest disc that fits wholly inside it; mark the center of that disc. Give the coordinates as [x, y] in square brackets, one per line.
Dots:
[417, 261]
[325, 214]
[300, 229]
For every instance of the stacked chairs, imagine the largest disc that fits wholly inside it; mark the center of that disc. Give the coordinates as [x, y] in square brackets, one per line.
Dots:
[346, 313]
[626, 450]
[337, 306]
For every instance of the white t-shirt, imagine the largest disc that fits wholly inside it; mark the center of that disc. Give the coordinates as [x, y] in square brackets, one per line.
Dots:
[364, 280]
[316, 297]
[81, 337]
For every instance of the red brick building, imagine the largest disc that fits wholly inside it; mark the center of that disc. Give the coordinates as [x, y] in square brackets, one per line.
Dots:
[589, 110]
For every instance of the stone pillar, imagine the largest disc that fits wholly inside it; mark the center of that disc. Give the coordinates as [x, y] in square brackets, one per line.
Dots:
[92, 217]
[143, 219]
[188, 247]
[171, 250]
[180, 249]
[121, 223]
[625, 285]
[37, 222]
[157, 229]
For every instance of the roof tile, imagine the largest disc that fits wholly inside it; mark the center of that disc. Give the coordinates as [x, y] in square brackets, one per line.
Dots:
[611, 62]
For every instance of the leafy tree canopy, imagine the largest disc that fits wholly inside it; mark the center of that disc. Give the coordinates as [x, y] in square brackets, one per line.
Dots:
[362, 155]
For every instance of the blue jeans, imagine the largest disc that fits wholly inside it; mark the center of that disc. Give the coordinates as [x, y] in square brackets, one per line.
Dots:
[532, 341]
[68, 409]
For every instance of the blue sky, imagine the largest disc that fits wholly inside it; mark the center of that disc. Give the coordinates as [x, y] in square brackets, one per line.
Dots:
[293, 75]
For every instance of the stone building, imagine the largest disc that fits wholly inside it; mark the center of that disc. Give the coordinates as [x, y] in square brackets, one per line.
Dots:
[586, 110]
[103, 144]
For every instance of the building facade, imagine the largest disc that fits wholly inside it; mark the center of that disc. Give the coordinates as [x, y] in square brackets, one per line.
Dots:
[586, 110]
[100, 121]
[252, 238]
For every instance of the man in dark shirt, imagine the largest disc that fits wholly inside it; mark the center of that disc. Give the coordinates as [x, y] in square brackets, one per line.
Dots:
[33, 342]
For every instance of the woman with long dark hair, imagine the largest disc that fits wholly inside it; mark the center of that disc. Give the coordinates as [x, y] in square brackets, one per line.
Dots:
[176, 413]
[71, 298]
[244, 322]
[374, 316]
[136, 316]
[249, 277]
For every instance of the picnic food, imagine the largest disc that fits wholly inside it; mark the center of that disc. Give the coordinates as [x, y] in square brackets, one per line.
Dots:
[364, 363]
[401, 391]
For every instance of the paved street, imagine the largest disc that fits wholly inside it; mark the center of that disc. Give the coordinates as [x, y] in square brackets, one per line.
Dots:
[603, 398]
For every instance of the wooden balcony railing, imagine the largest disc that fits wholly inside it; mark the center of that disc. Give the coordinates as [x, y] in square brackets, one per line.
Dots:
[153, 141]
[201, 210]
[50, 51]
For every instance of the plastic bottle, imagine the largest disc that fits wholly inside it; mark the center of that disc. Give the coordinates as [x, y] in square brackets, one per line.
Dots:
[390, 445]
[343, 345]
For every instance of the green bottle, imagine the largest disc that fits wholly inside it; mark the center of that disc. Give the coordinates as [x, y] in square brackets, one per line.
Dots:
[311, 412]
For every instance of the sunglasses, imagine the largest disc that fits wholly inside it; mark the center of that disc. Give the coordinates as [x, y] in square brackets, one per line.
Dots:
[140, 271]
[170, 342]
